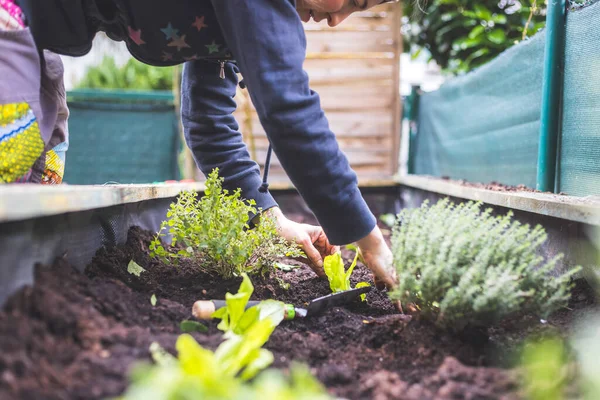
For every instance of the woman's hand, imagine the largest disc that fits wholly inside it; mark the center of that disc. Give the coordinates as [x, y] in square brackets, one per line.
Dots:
[378, 258]
[376, 255]
[311, 239]
[374, 251]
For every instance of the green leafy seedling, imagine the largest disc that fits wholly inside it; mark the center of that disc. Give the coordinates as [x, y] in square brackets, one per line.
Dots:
[339, 278]
[282, 284]
[285, 267]
[363, 296]
[153, 300]
[198, 373]
[134, 268]
[192, 326]
[225, 374]
[236, 319]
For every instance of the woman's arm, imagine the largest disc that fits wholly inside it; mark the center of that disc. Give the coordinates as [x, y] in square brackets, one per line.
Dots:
[211, 131]
[268, 42]
[212, 134]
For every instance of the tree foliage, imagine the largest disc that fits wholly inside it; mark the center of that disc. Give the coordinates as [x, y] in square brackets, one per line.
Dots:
[461, 35]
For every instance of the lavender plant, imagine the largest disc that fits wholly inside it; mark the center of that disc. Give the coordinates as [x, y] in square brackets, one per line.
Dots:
[213, 231]
[459, 265]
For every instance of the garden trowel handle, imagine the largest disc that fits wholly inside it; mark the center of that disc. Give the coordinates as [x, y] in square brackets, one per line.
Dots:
[204, 309]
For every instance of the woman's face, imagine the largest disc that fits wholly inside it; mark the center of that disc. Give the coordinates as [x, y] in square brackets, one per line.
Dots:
[335, 11]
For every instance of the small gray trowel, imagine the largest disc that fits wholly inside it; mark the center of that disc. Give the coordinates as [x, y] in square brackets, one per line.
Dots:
[203, 309]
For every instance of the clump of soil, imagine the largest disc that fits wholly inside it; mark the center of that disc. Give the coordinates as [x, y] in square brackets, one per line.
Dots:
[75, 336]
[452, 380]
[493, 185]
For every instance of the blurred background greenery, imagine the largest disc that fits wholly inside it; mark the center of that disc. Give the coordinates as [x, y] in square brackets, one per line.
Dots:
[460, 35]
[133, 75]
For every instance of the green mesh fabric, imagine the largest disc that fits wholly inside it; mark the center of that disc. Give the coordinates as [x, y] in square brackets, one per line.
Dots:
[133, 139]
[579, 167]
[484, 126]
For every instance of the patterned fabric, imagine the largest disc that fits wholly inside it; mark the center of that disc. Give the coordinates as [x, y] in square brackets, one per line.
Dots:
[187, 30]
[11, 16]
[21, 143]
[55, 165]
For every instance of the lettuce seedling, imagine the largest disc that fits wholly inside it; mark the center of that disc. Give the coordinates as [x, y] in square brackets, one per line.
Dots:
[203, 374]
[339, 278]
[236, 319]
[199, 373]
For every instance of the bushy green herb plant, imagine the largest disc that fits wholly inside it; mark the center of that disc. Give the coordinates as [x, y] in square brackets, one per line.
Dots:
[459, 265]
[213, 231]
[339, 278]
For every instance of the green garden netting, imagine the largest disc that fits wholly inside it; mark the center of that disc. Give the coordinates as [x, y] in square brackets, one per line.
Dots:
[123, 137]
[579, 157]
[484, 126]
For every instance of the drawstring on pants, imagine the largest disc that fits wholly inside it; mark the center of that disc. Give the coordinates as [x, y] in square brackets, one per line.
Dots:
[264, 188]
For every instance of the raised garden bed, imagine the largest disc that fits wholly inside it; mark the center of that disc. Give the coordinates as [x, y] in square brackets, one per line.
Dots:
[75, 336]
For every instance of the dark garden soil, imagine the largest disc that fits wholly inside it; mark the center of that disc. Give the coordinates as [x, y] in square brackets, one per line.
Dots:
[75, 336]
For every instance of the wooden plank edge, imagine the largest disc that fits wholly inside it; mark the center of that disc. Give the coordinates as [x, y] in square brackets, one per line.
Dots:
[26, 201]
[580, 209]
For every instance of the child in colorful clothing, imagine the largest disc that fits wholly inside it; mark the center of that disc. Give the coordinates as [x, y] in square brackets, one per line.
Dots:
[267, 42]
[33, 110]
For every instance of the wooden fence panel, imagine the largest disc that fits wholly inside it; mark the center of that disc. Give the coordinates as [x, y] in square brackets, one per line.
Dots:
[355, 69]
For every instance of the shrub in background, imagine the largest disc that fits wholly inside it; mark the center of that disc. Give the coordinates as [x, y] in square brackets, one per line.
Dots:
[461, 35]
[213, 231]
[459, 266]
[134, 76]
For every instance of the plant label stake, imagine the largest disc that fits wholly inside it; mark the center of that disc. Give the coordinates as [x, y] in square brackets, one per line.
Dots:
[204, 309]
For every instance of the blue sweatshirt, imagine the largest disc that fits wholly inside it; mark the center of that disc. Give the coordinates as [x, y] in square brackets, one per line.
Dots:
[268, 44]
